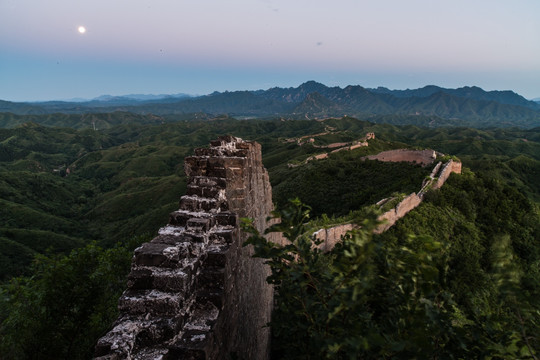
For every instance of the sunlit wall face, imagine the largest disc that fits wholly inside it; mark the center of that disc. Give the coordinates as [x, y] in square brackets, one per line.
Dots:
[205, 45]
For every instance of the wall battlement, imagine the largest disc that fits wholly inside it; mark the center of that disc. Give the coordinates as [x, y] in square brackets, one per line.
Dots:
[193, 291]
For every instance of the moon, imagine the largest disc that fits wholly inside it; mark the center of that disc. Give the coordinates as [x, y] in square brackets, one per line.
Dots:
[81, 29]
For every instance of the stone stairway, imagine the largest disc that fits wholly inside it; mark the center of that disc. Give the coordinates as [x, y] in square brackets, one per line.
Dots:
[176, 286]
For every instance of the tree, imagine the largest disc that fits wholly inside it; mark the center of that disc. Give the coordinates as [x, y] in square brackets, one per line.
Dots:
[65, 306]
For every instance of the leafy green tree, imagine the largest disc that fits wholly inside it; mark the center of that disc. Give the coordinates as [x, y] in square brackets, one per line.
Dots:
[65, 306]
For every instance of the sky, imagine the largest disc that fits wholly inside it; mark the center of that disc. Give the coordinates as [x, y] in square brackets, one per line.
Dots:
[200, 46]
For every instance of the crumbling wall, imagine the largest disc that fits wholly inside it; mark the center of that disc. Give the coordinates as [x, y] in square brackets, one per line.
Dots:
[194, 292]
[423, 157]
[391, 216]
[448, 168]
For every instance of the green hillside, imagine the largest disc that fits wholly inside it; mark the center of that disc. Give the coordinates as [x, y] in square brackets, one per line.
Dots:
[72, 194]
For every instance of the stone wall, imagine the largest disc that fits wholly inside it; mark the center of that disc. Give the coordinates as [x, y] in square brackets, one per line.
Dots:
[449, 168]
[194, 292]
[438, 177]
[423, 157]
[331, 236]
[402, 208]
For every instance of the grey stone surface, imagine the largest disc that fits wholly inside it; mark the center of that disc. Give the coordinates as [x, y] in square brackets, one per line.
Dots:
[194, 292]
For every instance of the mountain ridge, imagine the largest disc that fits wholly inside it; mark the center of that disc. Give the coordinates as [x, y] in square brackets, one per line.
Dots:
[470, 104]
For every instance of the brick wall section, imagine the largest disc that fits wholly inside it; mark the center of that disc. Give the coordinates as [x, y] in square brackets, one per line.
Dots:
[194, 292]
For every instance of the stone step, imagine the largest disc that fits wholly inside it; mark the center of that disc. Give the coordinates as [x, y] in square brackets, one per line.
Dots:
[162, 255]
[171, 234]
[208, 181]
[223, 235]
[180, 217]
[226, 218]
[168, 280]
[154, 302]
[216, 255]
[150, 353]
[195, 166]
[197, 334]
[196, 204]
[205, 191]
[198, 225]
[211, 278]
[132, 332]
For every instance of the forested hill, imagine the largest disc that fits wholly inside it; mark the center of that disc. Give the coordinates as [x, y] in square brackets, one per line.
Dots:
[62, 187]
[67, 196]
[469, 106]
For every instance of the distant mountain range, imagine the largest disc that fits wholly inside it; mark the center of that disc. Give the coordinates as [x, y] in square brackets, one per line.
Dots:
[312, 100]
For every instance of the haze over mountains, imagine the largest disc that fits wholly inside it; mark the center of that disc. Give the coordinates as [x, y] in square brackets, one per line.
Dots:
[466, 106]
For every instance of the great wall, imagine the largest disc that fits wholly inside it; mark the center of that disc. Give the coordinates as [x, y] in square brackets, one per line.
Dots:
[193, 291]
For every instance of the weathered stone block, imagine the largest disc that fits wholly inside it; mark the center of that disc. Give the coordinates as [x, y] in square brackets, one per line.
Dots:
[153, 302]
[165, 238]
[208, 181]
[226, 219]
[168, 280]
[211, 277]
[216, 256]
[198, 204]
[223, 236]
[140, 279]
[155, 254]
[179, 218]
[198, 225]
[234, 162]
[187, 349]
[195, 166]
[217, 172]
[198, 237]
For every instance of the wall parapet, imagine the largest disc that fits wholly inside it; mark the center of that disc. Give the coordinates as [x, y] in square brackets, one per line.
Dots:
[193, 291]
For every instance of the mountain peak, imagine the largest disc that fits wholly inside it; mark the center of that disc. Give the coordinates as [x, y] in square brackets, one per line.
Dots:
[312, 86]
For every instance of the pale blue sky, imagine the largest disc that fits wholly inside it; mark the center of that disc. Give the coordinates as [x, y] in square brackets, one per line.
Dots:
[198, 46]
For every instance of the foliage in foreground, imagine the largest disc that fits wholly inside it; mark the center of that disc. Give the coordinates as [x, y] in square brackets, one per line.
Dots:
[371, 299]
[68, 303]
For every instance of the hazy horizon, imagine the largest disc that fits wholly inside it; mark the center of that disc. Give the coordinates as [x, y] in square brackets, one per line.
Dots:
[169, 47]
[180, 95]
